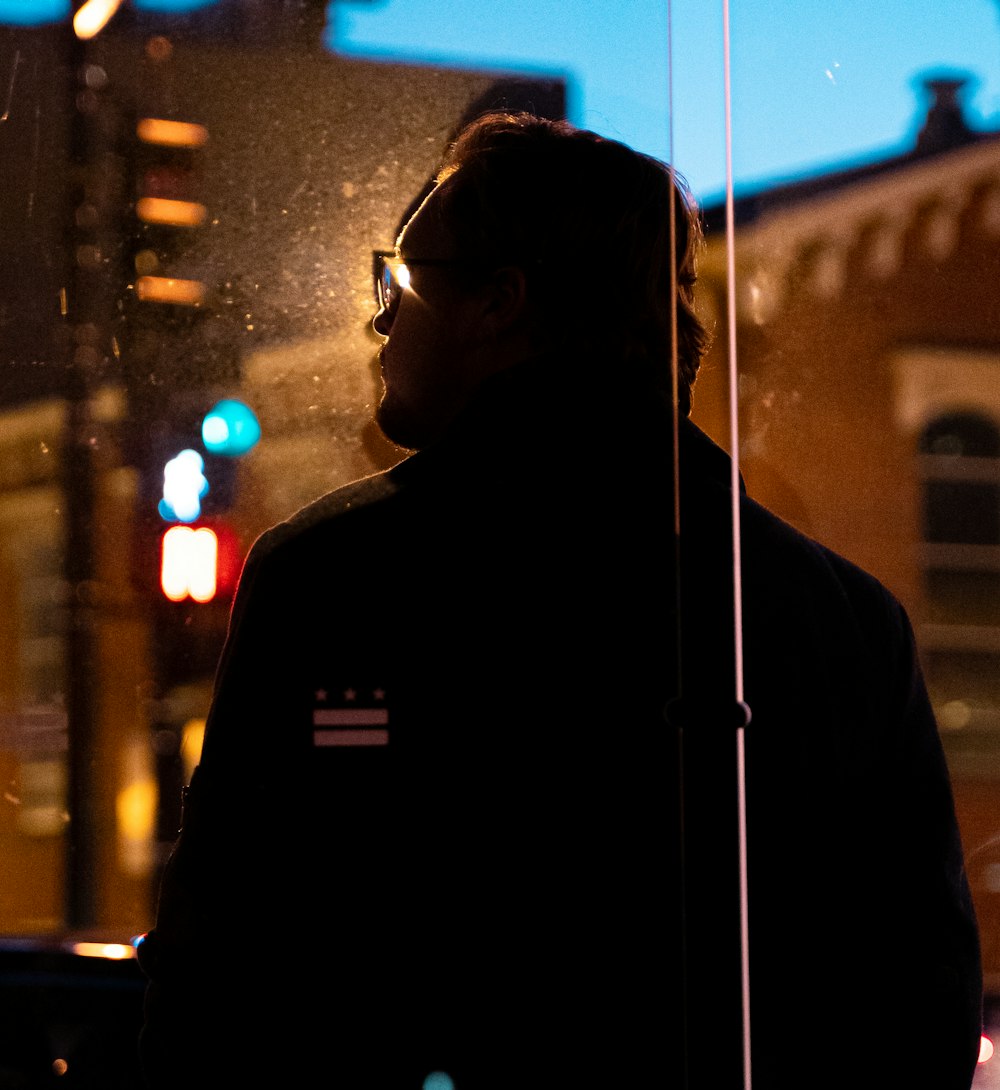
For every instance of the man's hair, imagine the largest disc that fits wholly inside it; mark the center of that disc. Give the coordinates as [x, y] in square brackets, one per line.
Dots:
[589, 219]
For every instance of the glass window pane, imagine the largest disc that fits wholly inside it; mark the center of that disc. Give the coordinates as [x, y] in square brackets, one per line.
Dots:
[192, 193]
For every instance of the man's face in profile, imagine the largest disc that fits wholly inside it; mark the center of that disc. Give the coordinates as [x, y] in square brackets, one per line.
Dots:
[431, 334]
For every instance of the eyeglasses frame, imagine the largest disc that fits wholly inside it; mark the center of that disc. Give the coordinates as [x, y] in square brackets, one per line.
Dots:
[381, 262]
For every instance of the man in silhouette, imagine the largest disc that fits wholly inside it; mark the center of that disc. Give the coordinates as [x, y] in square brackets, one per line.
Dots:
[467, 809]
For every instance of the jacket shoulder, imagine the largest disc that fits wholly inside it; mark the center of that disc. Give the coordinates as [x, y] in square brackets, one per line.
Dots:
[356, 501]
[793, 579]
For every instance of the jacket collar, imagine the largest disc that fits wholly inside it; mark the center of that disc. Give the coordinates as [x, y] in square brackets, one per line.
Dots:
[551, 408]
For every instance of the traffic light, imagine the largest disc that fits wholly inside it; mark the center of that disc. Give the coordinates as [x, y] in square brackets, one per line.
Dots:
[199, 562]
[184, 486]
[199, 556]
[168, 176]
[230, 428]
[189, 563]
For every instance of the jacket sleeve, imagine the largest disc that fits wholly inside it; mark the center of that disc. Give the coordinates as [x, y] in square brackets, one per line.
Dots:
[930, 951]
[931, 863]
[189, 954]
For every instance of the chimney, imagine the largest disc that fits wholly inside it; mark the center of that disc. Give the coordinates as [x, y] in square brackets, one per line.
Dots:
[945, 126]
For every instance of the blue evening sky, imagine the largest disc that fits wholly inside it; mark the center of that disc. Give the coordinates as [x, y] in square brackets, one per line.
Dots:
[815, 83]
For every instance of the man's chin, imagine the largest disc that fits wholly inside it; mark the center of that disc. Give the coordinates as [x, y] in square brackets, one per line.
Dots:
[395, 427]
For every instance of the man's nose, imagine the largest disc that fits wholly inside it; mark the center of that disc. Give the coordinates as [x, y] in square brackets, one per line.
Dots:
[382, 322]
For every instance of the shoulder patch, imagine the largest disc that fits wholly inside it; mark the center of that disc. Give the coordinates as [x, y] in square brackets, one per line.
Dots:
[350, 716]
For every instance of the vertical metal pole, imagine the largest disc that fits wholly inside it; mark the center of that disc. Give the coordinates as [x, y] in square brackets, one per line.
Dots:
[734, 436]
[81, 654]
[80, 347]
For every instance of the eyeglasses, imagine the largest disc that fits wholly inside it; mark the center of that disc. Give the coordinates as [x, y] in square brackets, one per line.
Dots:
[392, 274]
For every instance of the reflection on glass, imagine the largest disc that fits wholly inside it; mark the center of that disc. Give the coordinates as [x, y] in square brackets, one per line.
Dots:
[152, 271]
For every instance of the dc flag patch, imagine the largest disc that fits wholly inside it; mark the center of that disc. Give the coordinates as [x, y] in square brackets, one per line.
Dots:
[350, 717]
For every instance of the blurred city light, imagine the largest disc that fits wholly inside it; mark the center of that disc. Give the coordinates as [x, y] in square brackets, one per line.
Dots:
[184, 485]
[177, 7]
[438, 1080]
[171, 134]
[230, 428]
[113, 951]
[93, 16]
[985, 1049]
[33, 12]
[189, 562]
[37, 12]
[135, 813]
[192, 736]
[170, 212]
[169, 289]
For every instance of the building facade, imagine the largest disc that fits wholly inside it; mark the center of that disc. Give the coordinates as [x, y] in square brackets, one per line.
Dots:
[867, 318]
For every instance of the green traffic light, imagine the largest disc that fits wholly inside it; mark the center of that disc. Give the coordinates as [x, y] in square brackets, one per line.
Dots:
[230, 428]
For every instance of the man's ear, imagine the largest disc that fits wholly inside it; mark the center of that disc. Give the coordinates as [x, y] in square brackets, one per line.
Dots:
[506, 300]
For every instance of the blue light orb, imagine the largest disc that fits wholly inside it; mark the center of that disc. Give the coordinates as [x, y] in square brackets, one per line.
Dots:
[175, 7]
[34, 12]
[230, 428]
[184, 485]
[438, 1080]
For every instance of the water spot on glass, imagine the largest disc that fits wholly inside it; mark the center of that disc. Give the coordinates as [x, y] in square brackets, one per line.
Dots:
[159, 48]
[94, 76]
[88, 257]
[87, 101]
[86, 216]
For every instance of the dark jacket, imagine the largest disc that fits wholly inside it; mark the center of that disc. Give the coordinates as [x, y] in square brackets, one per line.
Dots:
[467, 797]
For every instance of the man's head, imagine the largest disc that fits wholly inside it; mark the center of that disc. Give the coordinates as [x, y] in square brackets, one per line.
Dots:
[539, 238]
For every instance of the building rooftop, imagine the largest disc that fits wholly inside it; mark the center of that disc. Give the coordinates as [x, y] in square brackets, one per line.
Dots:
[944, 129]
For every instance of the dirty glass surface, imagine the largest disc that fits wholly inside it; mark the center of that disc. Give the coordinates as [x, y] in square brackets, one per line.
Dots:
[866, 325]
[190, 200]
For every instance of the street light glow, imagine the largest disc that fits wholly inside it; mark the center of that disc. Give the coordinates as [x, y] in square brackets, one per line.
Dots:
[170, 212]
[92, 17]
[166, 289]
[171, 134]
